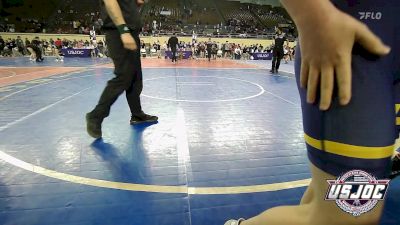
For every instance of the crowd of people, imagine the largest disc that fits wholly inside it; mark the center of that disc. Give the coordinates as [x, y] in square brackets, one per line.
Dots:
[229, 50]
[70, 18]
[30, 25]
[79, 25]
[48, 47]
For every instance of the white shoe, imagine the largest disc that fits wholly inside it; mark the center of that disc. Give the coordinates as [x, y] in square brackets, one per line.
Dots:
[234, 222]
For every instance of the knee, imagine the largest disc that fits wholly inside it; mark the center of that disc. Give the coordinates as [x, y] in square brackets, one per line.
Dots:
[121, 81]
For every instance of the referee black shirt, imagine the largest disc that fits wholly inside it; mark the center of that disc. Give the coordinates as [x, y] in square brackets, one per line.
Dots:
[130, 12]
[279, 42]
[172, 42]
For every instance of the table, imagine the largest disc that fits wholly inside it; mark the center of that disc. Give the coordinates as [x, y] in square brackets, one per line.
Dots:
[186, 54]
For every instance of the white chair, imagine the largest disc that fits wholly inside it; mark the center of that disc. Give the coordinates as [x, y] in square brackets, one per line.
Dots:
[153, 52]
[143, 52]
[219, 53]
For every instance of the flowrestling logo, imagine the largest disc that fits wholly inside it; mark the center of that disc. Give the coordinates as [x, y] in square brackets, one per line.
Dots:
[370, 15]
[356, 192]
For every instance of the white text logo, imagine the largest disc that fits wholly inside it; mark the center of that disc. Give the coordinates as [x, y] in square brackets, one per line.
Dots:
[75, 52]
[356, 192]
[370, 15]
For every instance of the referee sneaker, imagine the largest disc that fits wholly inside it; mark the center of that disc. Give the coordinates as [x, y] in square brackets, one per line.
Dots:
[122, 25]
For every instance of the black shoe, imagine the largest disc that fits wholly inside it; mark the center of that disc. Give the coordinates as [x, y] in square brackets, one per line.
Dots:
[272, 71]
[395, 167]
[93, 127]
[276, 71]
[143, 119]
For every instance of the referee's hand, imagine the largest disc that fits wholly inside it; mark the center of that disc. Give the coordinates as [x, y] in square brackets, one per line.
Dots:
[128, 41]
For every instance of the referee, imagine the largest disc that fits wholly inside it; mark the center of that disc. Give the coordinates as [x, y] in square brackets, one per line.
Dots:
[278, 51]
[122, 25]
[209, 49]
[172, 43]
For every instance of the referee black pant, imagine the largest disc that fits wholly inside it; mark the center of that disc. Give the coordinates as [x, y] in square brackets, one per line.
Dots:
[37, 50]
[173, 50]
[276, 61]
[128, 77]
[209, 54]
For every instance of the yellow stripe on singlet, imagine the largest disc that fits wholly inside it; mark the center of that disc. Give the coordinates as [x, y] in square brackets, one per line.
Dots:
[347, 150]
[397, 112]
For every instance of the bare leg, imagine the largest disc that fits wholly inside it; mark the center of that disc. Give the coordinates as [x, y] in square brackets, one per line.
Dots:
[314, 210]
[308, 195]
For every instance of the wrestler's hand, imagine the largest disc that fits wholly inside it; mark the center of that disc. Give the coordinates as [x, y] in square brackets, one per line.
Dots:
[326, 50]
[128, 41]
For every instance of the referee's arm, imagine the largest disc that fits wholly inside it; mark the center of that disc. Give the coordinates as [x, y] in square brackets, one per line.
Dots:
[115, 13]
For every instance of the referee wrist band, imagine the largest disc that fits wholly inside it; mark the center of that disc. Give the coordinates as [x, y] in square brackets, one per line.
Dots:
[123, 29]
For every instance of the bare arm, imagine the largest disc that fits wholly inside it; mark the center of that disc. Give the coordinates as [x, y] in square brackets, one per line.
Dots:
[115, 13]
[327, 36]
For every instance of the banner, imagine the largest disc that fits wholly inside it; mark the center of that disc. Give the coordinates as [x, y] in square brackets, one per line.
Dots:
[185, 54]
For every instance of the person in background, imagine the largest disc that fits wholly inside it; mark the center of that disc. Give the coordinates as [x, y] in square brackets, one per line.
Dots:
[278, 52]
[58, 50]
[20, 45]
[209, 49]
[2, 45]
[172, 44]
[35, 49]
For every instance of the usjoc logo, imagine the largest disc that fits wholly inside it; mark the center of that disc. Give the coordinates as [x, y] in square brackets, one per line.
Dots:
[356, 192]
[370, 15]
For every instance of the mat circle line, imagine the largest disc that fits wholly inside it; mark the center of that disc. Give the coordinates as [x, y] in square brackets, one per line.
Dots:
[153, 188]
[262, 91]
